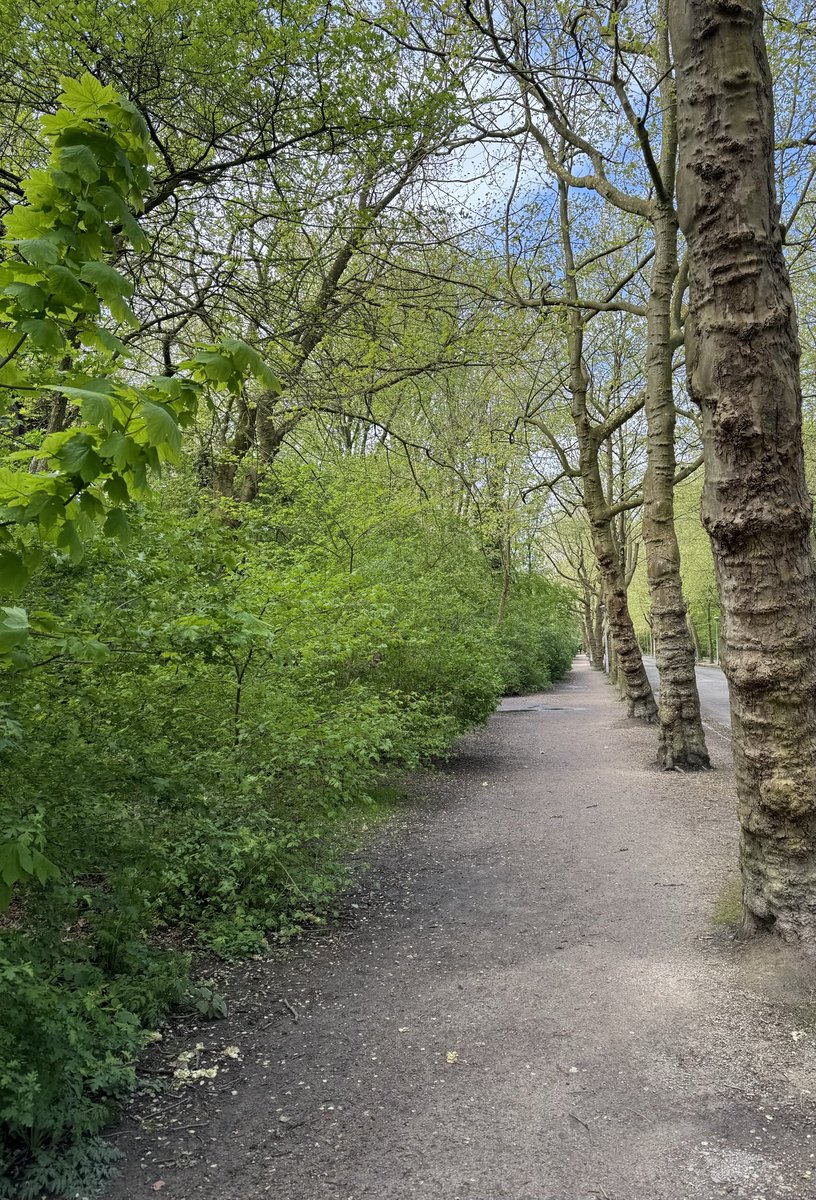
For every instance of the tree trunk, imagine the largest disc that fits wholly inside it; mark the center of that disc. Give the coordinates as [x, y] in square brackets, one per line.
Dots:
[596, 642]
[681, 742]
[743, 361]
[629, 661]
[692, 628]
[629, 670]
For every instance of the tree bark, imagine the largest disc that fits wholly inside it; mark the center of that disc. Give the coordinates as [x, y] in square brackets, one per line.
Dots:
[596, 643]
[631, 673]
[681, 742]
[743, 362]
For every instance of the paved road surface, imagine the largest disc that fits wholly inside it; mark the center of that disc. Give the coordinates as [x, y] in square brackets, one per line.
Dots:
[711, 685]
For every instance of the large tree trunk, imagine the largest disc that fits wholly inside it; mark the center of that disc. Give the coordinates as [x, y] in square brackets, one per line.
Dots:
[743, 359]
[682, 741]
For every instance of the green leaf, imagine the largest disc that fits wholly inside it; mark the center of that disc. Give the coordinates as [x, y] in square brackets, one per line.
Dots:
[116, 490]
[42, 868]
[14, 627]
[13, 572]
[249, 362]
[91, 506]
[30, 297]
[52, 511]
[86, 95]
[66, 288]
[93, 401]
[101, 339]
[160, 424]
[122, 311]
[40, 251]
[119, 447]
[78, 457]
[214, 366]
[87, 649]
[79, 160]
[112, 204]
[69, 540]
[109, 283]
[43, 334]
[117, 526]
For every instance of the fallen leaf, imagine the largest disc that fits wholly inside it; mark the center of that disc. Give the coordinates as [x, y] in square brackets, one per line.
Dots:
[452, 1056]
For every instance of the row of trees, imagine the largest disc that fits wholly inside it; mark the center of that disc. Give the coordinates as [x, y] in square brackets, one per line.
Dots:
[417, 286]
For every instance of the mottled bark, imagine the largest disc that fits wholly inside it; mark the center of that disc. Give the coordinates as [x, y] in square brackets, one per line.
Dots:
[743, 361]
[682, 741]
[629, 660]
[596, 636]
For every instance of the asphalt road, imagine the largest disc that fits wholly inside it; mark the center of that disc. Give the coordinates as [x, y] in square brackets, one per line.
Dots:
[711, 685]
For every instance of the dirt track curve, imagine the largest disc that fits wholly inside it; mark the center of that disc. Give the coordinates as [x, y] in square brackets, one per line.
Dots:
[531, 1001]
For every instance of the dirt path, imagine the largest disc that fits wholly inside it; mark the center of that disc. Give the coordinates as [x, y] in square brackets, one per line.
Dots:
[532, 1003]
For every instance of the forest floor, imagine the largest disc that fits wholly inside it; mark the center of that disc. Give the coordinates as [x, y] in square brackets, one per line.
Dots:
[532, 996]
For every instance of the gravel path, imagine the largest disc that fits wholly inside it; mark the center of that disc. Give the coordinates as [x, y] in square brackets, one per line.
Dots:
[531, 1001]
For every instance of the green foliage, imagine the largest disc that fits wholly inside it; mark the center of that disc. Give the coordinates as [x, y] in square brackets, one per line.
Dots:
[21, 857]
[268, 678]
[207, 1002]
[205, 703]
[55, 290]
[70, 1032]
[539, 636]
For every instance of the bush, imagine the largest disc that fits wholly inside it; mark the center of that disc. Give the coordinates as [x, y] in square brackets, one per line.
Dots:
[70, 1032]
[539, 636]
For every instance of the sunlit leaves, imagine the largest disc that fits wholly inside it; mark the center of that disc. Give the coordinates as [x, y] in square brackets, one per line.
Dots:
[54, 290]
[227, 364]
